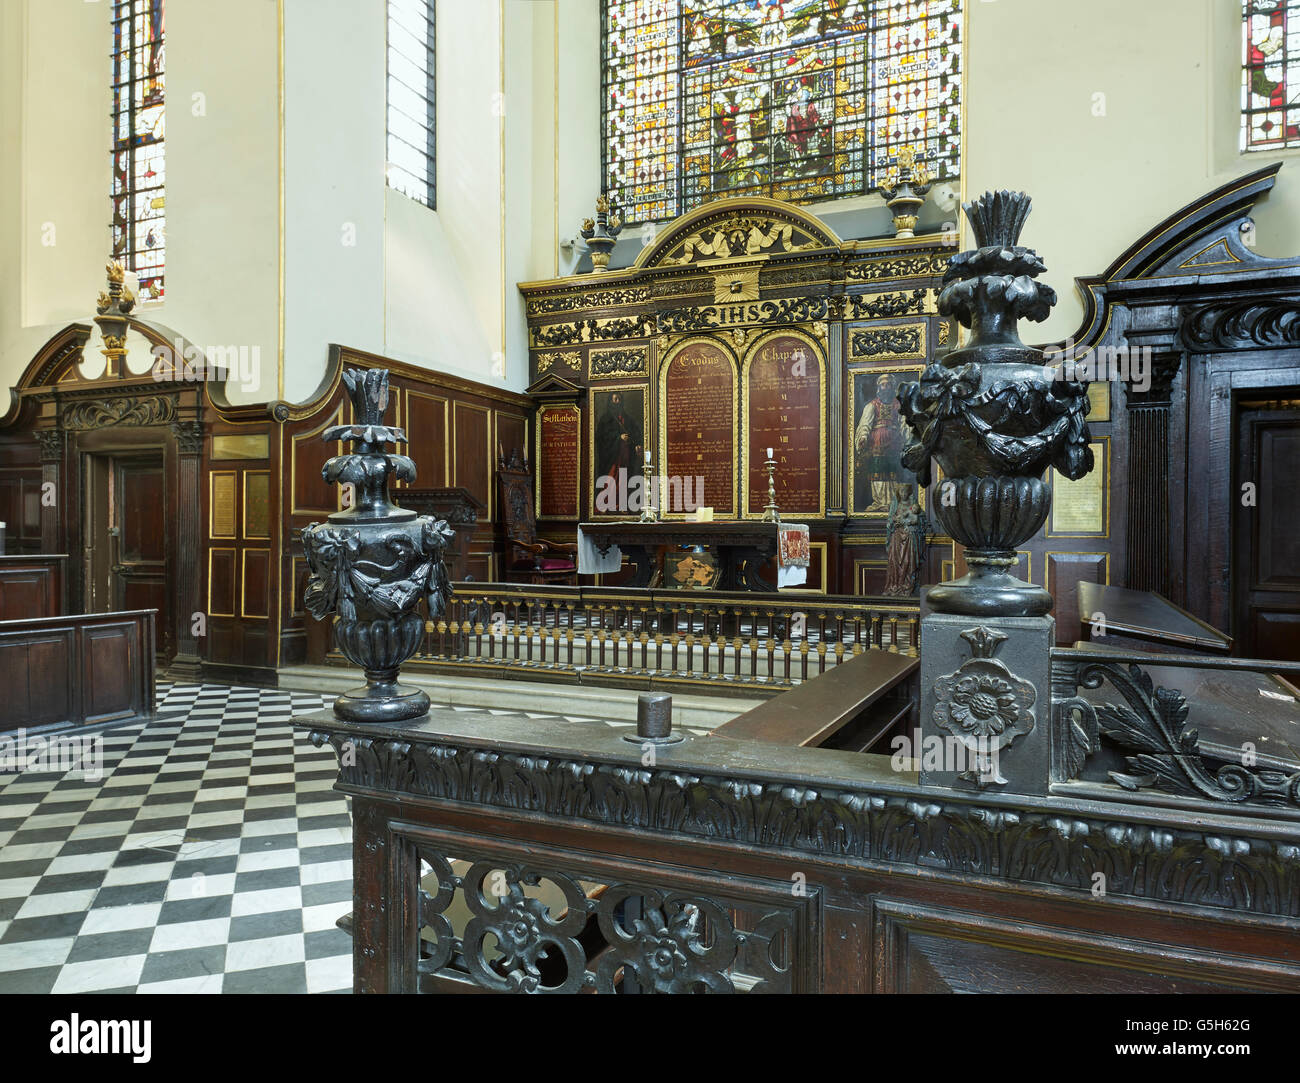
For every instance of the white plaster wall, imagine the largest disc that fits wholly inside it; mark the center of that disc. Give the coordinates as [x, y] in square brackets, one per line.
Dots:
[222, 176]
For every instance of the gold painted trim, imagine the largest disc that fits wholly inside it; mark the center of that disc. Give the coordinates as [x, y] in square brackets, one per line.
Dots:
[336, 418]
[234, 587]
[446, 431]
[852, 369]
[260, 537]
[212, 503]
[243, 582]
[661, 425]
[592, 374]
[559, 408]
[455, 454]
[820, 351]
[921, 324]
[859, 565]
[604, 389]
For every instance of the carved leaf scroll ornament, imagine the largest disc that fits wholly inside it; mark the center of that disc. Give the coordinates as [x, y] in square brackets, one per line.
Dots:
[1152, 723]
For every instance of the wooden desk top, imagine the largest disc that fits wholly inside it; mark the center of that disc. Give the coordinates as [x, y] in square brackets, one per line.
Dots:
[1144, 614]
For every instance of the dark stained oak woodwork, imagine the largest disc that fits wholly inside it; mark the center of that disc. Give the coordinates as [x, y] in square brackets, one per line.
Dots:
[76, 670]
[31, 586]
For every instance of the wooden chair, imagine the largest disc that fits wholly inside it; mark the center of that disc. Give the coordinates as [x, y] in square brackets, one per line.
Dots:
[529, 559]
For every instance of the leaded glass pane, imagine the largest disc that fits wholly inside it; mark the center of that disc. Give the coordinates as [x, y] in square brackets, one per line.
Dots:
[139, 176]
[1270, 75]
[802, 100]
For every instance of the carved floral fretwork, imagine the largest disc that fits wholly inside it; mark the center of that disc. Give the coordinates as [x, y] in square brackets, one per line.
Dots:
[51, 444]
[100, 413]
[1184, 864]
[651, 940]
[899, 343]
[898, 267]
[867, 306]
[569, 359]
[630, 295]
[631, 361]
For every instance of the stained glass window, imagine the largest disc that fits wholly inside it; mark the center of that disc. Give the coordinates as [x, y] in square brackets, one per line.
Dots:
[139, 173]
[802, 100]
[410, 99]
[1270, 75]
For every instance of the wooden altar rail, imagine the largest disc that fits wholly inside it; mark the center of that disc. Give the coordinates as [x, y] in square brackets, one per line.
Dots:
[660, 637]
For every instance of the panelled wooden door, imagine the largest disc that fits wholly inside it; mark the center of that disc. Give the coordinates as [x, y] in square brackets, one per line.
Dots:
[1265, 541]
[125, 540]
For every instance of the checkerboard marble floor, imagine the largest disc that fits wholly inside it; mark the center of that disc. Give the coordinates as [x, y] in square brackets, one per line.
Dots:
[212, 855]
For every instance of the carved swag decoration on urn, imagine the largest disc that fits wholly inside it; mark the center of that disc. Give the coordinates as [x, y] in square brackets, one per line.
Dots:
[994, 416]
[372, 563]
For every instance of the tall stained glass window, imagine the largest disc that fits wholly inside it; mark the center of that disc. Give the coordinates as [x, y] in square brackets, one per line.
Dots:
[139, 173]
[1270, 75]
[411, 99]
[799, 99]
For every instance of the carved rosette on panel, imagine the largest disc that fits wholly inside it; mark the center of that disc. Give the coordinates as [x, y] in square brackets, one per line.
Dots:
[540, 923]
[189, 437]
[51, 444]
[984, 705]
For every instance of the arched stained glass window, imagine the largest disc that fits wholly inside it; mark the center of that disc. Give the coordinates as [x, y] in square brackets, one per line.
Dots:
[1270, 79]
[802, 100]
[139, 168]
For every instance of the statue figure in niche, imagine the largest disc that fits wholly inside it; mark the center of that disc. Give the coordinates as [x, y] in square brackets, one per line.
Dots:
[905, 543]
[878, 442]
[618, 437]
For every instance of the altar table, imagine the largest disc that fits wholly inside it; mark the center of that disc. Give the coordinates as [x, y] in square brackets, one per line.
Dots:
[743, 547]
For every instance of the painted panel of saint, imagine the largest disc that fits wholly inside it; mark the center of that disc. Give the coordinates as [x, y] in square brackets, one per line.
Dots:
[618, 441]
[878, 436]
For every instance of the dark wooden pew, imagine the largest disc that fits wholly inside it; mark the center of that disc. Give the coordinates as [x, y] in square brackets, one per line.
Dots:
[60, 672]
[31, 585]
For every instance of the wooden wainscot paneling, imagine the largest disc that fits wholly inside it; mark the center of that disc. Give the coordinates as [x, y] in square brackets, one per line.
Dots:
[1064, 571]
[428, 445]
[471, 450]
[31, 586]
[76, 670]
[784, 397]
[698, 422]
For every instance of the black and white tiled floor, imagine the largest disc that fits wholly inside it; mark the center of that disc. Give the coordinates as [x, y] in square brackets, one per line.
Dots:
[213, 855]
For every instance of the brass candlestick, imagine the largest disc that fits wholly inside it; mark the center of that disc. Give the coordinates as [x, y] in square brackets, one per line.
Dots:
[649, 514]
[770, 512]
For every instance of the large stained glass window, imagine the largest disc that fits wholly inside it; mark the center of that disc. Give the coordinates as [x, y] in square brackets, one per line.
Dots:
[139, 175]
[1270, 81]
[411, 99]
[803, 100]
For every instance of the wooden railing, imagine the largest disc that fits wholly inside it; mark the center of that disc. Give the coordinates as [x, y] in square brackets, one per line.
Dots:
[745, 640]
